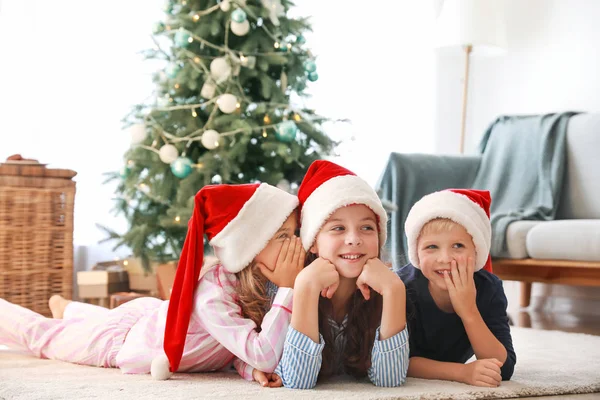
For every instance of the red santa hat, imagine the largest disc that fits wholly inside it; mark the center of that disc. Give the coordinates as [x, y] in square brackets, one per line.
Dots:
[239, 221]
[467, 207]
[327, 187]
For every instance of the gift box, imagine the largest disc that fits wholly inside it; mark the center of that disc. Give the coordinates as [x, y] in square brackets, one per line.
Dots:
[104, 279]
[141, 280]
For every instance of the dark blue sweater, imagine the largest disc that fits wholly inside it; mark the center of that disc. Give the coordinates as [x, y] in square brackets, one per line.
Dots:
[441, 336]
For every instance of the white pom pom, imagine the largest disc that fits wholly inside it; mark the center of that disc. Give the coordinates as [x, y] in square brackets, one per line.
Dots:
[160, 368]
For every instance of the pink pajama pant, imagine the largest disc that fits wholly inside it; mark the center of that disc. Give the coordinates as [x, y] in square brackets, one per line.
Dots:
[88, 334]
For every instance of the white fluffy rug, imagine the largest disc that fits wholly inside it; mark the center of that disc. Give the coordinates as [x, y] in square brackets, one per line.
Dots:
[548, 363]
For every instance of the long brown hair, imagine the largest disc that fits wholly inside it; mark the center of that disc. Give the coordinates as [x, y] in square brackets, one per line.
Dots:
[364, 317]
[252, 294]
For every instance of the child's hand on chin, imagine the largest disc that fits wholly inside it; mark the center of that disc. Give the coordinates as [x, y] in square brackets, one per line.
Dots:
[461, 287]
[266, 379]
[320, 276]
[377, 276]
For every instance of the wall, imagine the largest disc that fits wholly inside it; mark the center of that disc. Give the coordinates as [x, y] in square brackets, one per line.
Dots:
[551, 64]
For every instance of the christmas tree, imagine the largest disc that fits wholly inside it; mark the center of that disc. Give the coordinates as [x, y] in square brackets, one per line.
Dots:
[227, 109]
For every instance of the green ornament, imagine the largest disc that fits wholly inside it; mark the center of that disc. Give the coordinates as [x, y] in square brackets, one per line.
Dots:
[300, 39]
[172, 70]
[124, 172]
[158, 28]
[310, 66]
[313, 76]
[181, 167]
[286, 131]
[182, 38]
[238, 15]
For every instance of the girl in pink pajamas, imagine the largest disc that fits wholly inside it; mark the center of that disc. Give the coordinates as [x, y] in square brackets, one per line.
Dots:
[210, 321]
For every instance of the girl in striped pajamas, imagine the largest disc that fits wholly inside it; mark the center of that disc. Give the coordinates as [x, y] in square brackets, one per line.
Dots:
[349, 311]
[209, 321]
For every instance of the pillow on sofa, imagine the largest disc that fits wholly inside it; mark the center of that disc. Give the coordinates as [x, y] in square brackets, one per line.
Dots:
[575, 240]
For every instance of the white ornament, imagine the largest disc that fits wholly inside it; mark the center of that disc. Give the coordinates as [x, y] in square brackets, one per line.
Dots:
[138, 133]
[240, 28]
[225, 5]
[220, 69]
[210, 139]
[275, 10]
[159, 369]
[227, 103]
[168, 153]
[208, 90]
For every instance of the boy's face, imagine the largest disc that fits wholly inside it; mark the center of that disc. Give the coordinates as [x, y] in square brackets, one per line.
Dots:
[348, 239]
[438, 245]
[268, 255]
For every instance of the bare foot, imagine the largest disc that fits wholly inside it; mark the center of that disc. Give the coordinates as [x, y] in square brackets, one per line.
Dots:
[57, 305]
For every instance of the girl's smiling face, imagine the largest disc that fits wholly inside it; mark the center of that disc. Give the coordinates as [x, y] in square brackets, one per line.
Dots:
[348, 239]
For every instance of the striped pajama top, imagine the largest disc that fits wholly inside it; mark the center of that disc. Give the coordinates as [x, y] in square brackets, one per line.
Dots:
[218, 334]
[301, 361]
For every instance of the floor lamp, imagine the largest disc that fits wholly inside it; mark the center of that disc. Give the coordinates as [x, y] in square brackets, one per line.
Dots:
[475, 27]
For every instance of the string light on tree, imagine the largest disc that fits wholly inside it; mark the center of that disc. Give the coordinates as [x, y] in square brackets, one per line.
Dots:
[210, 139]
[168, 153]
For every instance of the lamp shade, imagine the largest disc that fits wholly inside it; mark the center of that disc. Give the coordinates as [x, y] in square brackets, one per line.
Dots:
[478, 23]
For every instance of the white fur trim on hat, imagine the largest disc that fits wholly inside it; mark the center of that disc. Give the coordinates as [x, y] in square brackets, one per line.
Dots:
[456, 207]
[249, 232]
[335, 193]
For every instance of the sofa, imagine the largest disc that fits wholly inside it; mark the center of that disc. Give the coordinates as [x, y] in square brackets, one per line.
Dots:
[562, 246]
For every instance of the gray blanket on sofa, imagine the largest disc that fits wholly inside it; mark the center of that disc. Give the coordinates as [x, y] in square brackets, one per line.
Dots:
[522, 163]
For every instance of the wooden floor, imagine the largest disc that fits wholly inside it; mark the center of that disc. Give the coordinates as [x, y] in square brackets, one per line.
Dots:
[567, 322]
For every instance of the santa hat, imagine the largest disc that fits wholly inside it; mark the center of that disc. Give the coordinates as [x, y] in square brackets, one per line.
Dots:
[239, 221]
[467, 207]
[327, 187]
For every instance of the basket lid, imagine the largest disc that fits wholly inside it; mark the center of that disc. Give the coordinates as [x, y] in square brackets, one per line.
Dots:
[33, 168]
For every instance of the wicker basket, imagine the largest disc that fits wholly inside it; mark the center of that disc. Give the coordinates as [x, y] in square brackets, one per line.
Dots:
[36, 234]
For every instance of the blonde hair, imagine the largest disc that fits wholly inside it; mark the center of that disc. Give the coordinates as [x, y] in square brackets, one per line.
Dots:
[252, 292]
[437, 225]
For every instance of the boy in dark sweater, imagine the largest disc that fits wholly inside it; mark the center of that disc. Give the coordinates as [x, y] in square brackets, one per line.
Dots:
[458, 305]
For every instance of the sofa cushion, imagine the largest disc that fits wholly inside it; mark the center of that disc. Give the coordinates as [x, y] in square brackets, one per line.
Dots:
[581, 189]
[516, 234]
[577, 240]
